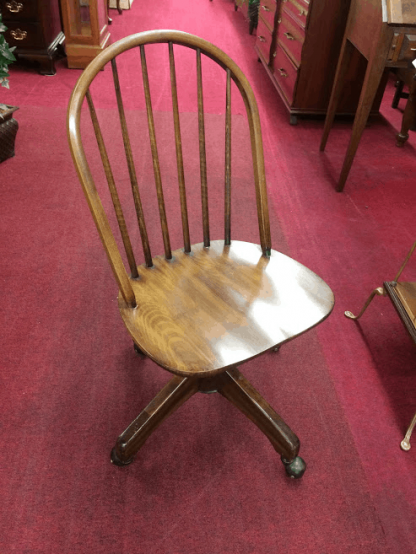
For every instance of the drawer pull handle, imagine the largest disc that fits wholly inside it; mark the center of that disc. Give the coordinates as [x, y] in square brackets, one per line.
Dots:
[18, 34]
[282, 72]
[266, 9]
[289, 36]
[261, 38]
[14, 7]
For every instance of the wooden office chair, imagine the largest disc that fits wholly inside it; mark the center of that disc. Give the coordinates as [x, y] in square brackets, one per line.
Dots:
[201, 311]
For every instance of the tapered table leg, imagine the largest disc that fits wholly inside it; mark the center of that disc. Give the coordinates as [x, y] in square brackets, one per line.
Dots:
[169, 399]
[343, 64]
[409, 115]
[374, 73]
[234, 387]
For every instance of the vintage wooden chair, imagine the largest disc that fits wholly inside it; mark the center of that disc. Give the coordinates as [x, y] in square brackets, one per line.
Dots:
[201, 311]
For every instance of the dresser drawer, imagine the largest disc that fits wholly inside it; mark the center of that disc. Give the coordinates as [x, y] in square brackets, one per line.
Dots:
[298, 9]
[264, 39]
[18, 10]
[285, 73]
[290, 37]
[408, 49]
[24, 35]
[267, 11]
[403, 47]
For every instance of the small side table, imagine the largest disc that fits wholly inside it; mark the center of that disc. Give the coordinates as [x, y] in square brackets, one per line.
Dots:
[384, 31]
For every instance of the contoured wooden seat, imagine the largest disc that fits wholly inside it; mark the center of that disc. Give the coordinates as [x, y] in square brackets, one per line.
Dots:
[203, 310]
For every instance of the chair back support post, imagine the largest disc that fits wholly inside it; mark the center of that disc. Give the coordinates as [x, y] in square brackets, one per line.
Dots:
[96, 207]
[81, 91]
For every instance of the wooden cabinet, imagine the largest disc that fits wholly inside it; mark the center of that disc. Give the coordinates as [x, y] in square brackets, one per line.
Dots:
[86, 30]
[298, 42]
[34, 27]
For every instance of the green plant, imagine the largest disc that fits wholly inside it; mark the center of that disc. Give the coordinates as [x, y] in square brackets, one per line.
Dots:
[6, 56]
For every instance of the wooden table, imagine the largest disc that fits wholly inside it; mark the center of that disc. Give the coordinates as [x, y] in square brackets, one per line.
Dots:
[384, 31]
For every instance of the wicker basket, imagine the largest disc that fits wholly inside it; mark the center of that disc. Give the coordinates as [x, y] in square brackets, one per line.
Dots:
[8, 131]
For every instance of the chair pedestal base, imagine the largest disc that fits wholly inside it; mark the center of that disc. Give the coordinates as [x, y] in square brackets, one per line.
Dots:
[233, 386]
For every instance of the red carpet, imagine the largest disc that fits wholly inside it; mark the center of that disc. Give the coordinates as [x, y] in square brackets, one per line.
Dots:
[207, 481]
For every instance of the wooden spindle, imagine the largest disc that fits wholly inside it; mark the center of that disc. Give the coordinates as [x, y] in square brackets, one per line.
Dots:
[202, 153]
[113, 189]
[179, 157]
[155, 156]
[227, 203]
[132, 170]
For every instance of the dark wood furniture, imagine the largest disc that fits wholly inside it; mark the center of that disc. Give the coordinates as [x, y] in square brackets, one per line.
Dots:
[203, 310]
[406, 77]
[403, 297]
[86, 30]
[34, 27]
[384, 31]
[298, 42]
[118, 7]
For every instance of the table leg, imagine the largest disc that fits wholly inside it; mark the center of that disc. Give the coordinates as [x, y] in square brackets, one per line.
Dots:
[373, 75]
[409, 115]
[343, 64]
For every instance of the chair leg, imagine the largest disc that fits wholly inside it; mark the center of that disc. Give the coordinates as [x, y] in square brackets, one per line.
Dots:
[169, 399]
[379, 291]
[233, 386]
[405, 444]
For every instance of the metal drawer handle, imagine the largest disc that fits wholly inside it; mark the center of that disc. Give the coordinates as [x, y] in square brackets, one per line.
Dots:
[289, 36]
[18, 34]
[261, 38]
[282, 72]
[266, 9]
[14, 7]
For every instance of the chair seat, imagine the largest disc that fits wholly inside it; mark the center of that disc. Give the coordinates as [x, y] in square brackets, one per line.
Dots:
[218, 307]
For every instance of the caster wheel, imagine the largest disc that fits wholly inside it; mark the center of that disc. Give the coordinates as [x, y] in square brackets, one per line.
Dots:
[138, 351]
[296, 468]
[116, 460]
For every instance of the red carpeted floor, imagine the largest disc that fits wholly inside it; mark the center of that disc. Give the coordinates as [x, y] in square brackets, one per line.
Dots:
[207, 481]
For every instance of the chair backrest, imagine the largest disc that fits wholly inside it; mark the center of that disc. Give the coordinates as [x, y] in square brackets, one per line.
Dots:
[81, 91]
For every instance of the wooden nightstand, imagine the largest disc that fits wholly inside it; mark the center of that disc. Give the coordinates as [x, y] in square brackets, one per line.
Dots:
[34, 27]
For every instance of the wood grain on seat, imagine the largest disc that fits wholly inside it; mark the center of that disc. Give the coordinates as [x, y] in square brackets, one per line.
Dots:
[203, 312]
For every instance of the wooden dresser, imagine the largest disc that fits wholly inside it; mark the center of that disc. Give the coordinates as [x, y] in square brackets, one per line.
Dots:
[34, 27]
[298, 42]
